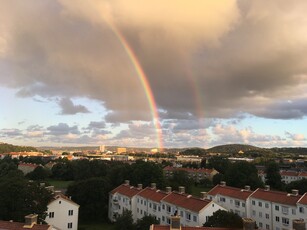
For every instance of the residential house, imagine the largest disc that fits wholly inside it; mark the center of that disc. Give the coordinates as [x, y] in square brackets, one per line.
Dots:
[62, 212]
[30, 223]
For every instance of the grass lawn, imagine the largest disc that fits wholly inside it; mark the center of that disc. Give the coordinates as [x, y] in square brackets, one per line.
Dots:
[96, 226]
[197, 189]
[59, 184]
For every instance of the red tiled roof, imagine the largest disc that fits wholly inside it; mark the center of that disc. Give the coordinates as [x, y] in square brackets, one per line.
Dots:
[60, 195]
[126, 190]
[303, 174]
[303, 199]
[28, 165]
[230, 192]
[288, 173]
[7, 225]
[186, 201]
[201, 170]
[276, 197]
[153, 194]
[165, 227]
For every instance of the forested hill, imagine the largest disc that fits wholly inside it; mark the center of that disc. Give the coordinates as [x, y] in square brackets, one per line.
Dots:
[293, 150]
[6, 148]
[232, 148]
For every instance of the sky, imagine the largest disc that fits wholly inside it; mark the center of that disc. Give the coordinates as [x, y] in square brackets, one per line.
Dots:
[153, 73]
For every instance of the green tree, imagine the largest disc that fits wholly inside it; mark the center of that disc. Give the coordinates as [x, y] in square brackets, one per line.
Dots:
[39, 173]
[223, 218]
[273, 177]
[92, 195]
[147, 173]
[63, 171]
[145, 222]
[181, 178]
[125, 221]
[219, 163]
[300, 185]
[217, 178]
[19, 197]
[243, 173]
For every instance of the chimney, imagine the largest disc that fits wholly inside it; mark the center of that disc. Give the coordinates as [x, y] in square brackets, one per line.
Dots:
[248, 224]
[140, 186]
[175, 223]
[127, 182]
[168, 189]
[299, 224]
[267, 188]
[223, 183]
[30, 220]
[181, 189]
[247, 188]
[153, 185]
[203, 195]
[294, 192]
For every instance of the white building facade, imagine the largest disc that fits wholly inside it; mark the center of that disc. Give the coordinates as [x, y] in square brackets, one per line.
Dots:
[63, 213]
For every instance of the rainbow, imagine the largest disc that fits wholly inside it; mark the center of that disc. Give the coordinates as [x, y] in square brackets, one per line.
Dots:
[144, 81]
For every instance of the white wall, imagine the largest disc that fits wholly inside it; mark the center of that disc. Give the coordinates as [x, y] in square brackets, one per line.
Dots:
[60, 207]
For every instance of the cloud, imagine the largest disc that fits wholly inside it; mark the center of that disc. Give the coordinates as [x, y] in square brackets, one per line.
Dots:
[68, 107]
[62, 129]
[10, 132]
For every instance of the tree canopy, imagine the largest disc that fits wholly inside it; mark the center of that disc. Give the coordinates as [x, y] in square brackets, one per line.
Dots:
[223, 218]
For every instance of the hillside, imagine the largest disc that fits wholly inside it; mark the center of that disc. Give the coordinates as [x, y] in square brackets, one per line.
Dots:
[6, 148]
[233, 148]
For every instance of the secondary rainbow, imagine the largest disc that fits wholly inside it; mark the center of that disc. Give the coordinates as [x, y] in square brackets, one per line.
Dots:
[144, 81]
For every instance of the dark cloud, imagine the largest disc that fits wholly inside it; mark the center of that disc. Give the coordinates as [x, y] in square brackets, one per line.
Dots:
[10, 132]
[62, 129]
[96, 124]
[69, 108]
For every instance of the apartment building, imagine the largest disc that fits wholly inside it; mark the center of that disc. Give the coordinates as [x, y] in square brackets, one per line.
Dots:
[273, 209]
[161, 204]
[195, 174]
[270, 209]
[287, 176]
[231, 198]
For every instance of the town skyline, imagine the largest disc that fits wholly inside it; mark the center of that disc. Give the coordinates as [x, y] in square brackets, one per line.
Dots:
[153, 74]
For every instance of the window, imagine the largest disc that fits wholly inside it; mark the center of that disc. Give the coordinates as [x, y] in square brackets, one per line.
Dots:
[163, 206]
[222, 199]
[260, 224]
[69, 225]
[154, 207]
[144, 202]
[237, 203]
[266, 205]
[253, 202]
[267, 216]
[267, 226]
[277, 218]
[276, 207]
[141, 201]
[254, 213]
[285, 221]
[149, 205]
[260, 214]
[51, 214]
[188, 216]
[285, 210]
[194, 218]
[163, 218]
[301, 209]
[293, 211]
[243, 205]
[168, 208]
[70, 212]
[138, 200]
[137, 210]
[141, 211]
[231, 201]
[60, 202]
[260, 204]
[168, 220]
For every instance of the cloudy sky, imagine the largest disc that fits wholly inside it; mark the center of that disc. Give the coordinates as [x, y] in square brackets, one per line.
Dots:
[220, 72]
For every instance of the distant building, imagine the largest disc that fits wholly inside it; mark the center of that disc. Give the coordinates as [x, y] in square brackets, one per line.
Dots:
[62, 212]
[30, 223]
[195, 174]
[121, 150]
[102, 148]
[27, 167]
